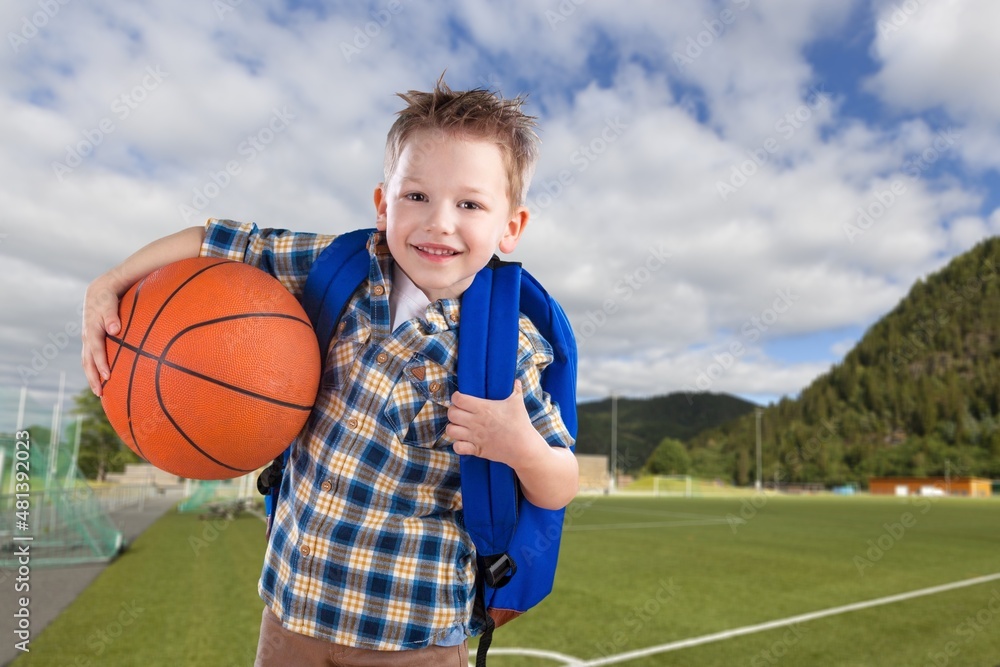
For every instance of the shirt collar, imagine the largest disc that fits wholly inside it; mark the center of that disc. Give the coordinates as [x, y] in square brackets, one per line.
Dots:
[441, 315]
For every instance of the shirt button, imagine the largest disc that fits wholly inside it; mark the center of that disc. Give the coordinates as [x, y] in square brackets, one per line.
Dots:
[453, 317]
[352, 423]
[326, 486]
[434, 386]
[379, 290]
[382, 358]
[342, 326]
[304, 550]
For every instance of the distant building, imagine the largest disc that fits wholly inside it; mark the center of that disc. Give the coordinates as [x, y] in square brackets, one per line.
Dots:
[594, 475]
[975, 487]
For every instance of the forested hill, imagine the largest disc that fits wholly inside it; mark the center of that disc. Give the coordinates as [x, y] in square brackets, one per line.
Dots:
[919, 394]
[644, 422]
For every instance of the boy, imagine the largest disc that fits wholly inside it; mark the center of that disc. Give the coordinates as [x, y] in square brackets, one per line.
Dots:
[368, 561]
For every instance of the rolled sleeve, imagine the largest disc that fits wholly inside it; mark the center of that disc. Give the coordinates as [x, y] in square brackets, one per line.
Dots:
[534, 354]
[284, 254]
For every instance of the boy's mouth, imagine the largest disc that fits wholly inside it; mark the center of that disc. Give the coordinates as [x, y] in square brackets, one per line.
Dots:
[435, 251]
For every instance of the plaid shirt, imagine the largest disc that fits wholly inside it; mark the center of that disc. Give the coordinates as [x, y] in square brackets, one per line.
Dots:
[368, 548]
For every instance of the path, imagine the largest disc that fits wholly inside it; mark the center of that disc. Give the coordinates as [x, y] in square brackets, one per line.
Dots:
[54, 588]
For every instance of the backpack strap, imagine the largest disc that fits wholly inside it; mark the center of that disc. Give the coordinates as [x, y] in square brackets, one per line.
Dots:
[487, 366]
[493, 506]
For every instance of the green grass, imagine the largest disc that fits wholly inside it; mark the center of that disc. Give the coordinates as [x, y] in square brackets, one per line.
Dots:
[624, 589]
[634, 573]
[183, 594]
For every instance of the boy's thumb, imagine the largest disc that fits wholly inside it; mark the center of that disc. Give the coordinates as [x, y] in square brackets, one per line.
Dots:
[112, 325]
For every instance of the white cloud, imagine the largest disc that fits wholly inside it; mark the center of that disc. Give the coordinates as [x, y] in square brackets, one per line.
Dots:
[628, 175]
[938, 53]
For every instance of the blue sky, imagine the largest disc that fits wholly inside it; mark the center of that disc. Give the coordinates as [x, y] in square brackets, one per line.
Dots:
[705, 165]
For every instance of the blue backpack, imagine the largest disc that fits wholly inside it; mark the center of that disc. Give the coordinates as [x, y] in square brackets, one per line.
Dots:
[507, 530]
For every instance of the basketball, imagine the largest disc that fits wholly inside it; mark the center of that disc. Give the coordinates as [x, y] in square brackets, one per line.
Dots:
[214, 371]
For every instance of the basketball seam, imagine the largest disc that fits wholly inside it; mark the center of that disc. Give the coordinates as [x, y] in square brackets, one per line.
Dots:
[225, 385]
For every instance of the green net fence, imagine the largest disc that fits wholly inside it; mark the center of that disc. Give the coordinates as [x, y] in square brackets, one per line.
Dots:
[60, 514]
[202, 493]
[44, 501]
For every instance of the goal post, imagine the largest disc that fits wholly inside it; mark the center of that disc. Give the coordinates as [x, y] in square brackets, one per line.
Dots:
[673, 485]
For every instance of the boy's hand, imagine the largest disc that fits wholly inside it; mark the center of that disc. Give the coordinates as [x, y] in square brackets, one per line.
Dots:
[100, 316]
[496, 430]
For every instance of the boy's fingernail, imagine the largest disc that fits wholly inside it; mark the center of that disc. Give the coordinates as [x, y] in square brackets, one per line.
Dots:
[113, 328]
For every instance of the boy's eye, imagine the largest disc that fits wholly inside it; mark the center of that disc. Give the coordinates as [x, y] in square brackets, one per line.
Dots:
[416, 196]
[470, 206]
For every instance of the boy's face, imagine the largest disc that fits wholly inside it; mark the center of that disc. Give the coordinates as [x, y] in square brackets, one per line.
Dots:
[445, 211]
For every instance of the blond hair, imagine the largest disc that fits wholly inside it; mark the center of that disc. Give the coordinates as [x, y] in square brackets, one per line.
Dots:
[478, 114]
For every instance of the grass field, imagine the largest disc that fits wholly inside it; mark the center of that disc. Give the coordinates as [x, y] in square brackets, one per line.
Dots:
[635, 573]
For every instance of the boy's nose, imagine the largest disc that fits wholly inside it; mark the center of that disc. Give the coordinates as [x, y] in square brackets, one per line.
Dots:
[441, 219]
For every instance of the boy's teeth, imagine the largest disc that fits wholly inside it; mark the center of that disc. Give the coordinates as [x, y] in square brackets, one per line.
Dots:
[437, 251]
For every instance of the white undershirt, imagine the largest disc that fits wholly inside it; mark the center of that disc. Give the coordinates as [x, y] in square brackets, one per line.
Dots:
[406, 300]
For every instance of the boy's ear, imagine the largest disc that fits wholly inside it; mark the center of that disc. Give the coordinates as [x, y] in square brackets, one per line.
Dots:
[513, 230]
[380, 207]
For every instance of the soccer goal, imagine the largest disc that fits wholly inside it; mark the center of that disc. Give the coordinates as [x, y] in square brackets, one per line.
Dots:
[673, 485]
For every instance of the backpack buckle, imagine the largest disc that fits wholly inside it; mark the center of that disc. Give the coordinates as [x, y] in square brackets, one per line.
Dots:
[499, 570]
[270, 477]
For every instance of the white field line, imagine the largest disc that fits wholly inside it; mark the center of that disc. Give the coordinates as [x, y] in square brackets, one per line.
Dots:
[566, 660]
[791, 620]
[569, 661]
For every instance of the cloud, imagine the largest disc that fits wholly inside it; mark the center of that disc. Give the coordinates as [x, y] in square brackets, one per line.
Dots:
[674, 202]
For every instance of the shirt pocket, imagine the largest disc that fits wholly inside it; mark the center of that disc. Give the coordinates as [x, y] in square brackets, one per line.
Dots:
[349, 340]
[417, 409]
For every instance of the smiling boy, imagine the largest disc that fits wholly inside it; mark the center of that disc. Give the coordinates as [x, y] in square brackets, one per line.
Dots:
[368, 562]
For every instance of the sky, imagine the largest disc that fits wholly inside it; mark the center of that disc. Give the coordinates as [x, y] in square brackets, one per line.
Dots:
[729, 194]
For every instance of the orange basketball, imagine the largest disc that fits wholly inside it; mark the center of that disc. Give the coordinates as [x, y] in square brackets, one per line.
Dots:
[214, 371]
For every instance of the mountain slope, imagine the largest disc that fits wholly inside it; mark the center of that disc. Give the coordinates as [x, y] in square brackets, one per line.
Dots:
[919, 394]
[644, 422]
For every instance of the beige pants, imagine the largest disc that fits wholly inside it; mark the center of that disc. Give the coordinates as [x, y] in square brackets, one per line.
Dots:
[280, 647]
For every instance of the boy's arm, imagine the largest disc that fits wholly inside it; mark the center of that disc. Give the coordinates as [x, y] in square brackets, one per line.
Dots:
[502, 431]
[100, 305]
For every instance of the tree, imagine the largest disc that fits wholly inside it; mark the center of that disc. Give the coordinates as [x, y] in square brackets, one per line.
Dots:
[669, 458]
[101, 450]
